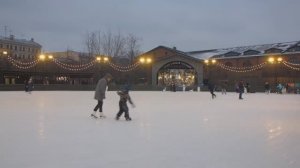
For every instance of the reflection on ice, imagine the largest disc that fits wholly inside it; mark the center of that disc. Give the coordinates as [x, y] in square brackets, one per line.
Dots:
[274, 129]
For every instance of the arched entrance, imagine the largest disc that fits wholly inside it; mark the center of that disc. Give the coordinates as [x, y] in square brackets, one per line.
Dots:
[178, 72]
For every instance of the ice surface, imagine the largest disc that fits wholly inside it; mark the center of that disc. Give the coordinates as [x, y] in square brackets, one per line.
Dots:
[168, 130]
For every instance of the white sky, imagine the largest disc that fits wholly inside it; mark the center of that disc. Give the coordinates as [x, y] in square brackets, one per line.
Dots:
[189, 25]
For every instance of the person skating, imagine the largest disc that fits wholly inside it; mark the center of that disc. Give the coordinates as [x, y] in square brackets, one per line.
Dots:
[224, 87]
[123, 108]
[30, 85]
[100, 94]
[211, 88]
[241, 89]
[267, 88]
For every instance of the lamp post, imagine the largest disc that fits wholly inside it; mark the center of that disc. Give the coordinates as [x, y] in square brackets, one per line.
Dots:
[276, 61]
[2, 64]
[101, 59]
[209, 63]
[146, 61]
[44, 58]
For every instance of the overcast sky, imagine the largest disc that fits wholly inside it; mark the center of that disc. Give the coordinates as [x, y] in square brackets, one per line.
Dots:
[187, 24]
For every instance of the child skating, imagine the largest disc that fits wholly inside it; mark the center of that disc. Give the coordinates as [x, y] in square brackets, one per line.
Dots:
[124, 96]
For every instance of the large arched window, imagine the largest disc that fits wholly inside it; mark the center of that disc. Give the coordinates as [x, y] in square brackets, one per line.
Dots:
[178, 73]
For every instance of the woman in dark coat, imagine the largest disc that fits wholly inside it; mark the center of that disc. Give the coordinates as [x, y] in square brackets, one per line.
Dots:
[100, 94]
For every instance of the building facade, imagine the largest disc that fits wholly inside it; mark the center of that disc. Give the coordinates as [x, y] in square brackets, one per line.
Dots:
[19, 50]
[161, 67]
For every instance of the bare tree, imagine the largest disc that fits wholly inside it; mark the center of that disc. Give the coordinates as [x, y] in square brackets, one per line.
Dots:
[132, 47]
[115, 45]
[90, 43]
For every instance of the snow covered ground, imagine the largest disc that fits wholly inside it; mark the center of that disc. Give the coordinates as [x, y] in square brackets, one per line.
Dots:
[169, 130]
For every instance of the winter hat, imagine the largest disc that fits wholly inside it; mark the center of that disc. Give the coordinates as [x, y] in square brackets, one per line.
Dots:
[108, 75]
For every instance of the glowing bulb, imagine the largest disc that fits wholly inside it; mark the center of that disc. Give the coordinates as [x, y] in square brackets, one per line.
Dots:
[42, 57]
[105, 59]
[50, 56]
[271, 59]
[142, 60]
[149, 60]
[279, 59]
[5, 52]
[98, 59]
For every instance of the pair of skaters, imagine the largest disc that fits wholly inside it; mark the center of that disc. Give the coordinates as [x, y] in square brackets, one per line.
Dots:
[100, 95]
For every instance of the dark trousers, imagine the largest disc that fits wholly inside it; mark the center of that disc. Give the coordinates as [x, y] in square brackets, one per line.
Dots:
[212, 93]
[99, 106]
[123, 109]
[240, 96]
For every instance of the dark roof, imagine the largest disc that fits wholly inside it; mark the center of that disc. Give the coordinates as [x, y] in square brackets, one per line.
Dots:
[20, 41]
[220, 53]
[178, 52]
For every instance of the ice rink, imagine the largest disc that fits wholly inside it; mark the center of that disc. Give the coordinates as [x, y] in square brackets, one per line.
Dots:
[169, 130]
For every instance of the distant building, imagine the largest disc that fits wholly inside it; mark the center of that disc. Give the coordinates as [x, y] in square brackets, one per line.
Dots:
[20, 49]
[248, 63]
[166, 67]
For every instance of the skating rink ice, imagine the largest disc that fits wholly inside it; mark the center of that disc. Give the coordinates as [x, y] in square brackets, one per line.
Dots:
[169, 130]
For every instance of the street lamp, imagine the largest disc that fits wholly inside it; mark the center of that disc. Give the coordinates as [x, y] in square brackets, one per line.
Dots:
[209, 62]
[275, 60]
[42, 57]
[101, 59]
[146, 60]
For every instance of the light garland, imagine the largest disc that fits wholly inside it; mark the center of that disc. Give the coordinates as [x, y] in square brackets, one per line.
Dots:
[73, 68]
[292, 64]
[125, 68]
[21, 65]
[242, 69]
[289, 65]
[80, 67]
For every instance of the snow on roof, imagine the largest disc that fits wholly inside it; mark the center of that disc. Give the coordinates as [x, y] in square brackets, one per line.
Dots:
[22, 41]
[206, 54]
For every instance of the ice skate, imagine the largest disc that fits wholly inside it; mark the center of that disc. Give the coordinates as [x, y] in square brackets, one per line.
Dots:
[102, 115]
[117, 118]
[93, 115]
[128, 119]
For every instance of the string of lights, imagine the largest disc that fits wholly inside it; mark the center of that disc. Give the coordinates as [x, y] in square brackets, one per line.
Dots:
[291, 67]
[14, 63]
[234, 69]
[74, 68]
[21, 63]
[124, 69]
[292, 64]
[80, 67]
[244, 68]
